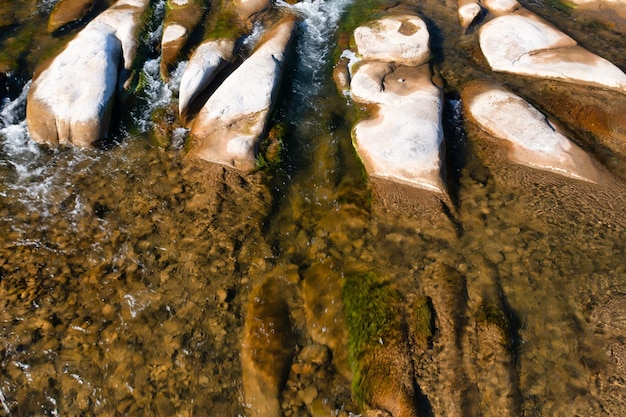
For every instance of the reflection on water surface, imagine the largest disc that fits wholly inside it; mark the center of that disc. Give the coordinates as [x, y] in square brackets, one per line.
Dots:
[126, 273]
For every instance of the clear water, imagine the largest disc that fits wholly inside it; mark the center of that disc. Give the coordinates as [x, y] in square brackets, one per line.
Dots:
[126, 273]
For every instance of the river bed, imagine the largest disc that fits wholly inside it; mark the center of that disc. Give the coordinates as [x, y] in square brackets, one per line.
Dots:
[126, 272]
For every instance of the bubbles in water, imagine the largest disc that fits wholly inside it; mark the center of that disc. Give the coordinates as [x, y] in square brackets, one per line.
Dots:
[46, 6]
[319, 23]
[155, 93]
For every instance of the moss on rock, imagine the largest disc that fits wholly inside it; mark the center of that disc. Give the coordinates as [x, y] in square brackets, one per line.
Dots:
[377, 345]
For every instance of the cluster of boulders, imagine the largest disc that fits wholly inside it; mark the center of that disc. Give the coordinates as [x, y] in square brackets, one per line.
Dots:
[398, 136]
[72, 95]
[387, 73]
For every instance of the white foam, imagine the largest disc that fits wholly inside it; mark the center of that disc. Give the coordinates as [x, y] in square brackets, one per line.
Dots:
[319, 20]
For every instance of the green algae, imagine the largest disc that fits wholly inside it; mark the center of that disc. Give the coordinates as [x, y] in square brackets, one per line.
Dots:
[369, 307]
[15, 49]
[492, 314]
[224, 22]
[424, 320]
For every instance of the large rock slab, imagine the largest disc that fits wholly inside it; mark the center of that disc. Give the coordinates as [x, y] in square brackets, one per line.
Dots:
[205, 63]
[522, 43]
[403, 141]
[402, 39]
[530, 138]
[233, 120]
[70, 99]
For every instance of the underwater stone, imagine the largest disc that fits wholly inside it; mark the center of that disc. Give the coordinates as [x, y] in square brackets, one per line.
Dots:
[267, 349]
[378, 345]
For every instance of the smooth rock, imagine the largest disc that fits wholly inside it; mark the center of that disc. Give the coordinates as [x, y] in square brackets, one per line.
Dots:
[173, 40]
[522, 43]
[70, 100]
[500, 7]
[532, 140]
[68, 11]
[231, 123]
[402, 39]
[205, 63]
[468, 10]
[403, 141]
[248, 8]
[180, 21]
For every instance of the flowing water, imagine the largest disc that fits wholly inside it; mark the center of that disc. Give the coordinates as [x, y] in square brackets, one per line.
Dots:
[126, 271]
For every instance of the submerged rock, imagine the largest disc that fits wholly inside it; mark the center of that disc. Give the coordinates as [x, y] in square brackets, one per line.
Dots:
[611, 13]
[402, 140]
[267, 349]
[378, 346]
[68, 11]
[522, 43]
[326, 322]
[70, 99]
[531, 139]
[228, 128]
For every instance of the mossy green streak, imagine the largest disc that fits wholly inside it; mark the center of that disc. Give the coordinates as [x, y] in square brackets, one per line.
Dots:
[369, 306]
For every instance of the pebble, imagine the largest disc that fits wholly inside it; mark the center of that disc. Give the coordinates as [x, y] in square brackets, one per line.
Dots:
[308, 395]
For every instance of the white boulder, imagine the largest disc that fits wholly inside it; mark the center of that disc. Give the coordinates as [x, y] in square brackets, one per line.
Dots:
[500, 7]
[402, 39]
[468, 10]
[70, 100]
[231, 123]
[403, 141]
[522, 43]
[205, 63]
[531, 139]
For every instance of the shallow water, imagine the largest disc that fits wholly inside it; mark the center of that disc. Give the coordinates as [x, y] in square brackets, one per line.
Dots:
[126, 272]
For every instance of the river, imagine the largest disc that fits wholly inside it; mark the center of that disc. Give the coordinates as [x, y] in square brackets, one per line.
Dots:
[127, 272]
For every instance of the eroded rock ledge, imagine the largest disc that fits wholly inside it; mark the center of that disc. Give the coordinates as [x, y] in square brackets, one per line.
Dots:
[402, 139]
